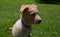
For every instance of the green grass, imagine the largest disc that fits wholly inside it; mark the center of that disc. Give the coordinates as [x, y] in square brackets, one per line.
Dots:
[50, 14]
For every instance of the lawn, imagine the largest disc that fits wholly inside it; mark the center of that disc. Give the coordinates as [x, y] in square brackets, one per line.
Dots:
[50, 14]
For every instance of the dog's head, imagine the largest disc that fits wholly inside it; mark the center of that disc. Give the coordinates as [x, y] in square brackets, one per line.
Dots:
[30, 14]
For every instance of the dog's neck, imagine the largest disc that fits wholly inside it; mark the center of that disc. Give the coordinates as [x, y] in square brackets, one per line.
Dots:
[25, 25]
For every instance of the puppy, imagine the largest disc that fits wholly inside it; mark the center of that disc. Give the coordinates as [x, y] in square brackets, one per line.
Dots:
[29, 15]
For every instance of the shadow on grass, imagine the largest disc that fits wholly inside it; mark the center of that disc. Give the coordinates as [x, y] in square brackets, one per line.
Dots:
[57, 2]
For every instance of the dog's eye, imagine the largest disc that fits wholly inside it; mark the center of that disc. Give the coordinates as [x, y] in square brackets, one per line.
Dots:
[33, 14]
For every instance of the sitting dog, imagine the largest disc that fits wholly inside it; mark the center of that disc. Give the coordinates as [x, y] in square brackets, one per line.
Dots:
[29, 15]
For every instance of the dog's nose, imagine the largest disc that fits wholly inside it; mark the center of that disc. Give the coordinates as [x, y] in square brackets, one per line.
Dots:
[39, 21]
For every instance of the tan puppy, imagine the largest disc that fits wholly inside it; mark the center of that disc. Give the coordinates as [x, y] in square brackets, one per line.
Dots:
[29, 16]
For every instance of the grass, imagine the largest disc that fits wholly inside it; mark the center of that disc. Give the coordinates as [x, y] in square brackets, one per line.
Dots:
[50, 14]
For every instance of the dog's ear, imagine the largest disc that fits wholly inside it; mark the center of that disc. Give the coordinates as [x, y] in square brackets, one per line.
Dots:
[24, 8]
[34, 5]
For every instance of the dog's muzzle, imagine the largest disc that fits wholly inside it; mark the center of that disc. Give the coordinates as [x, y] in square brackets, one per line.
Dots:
[37, 21]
